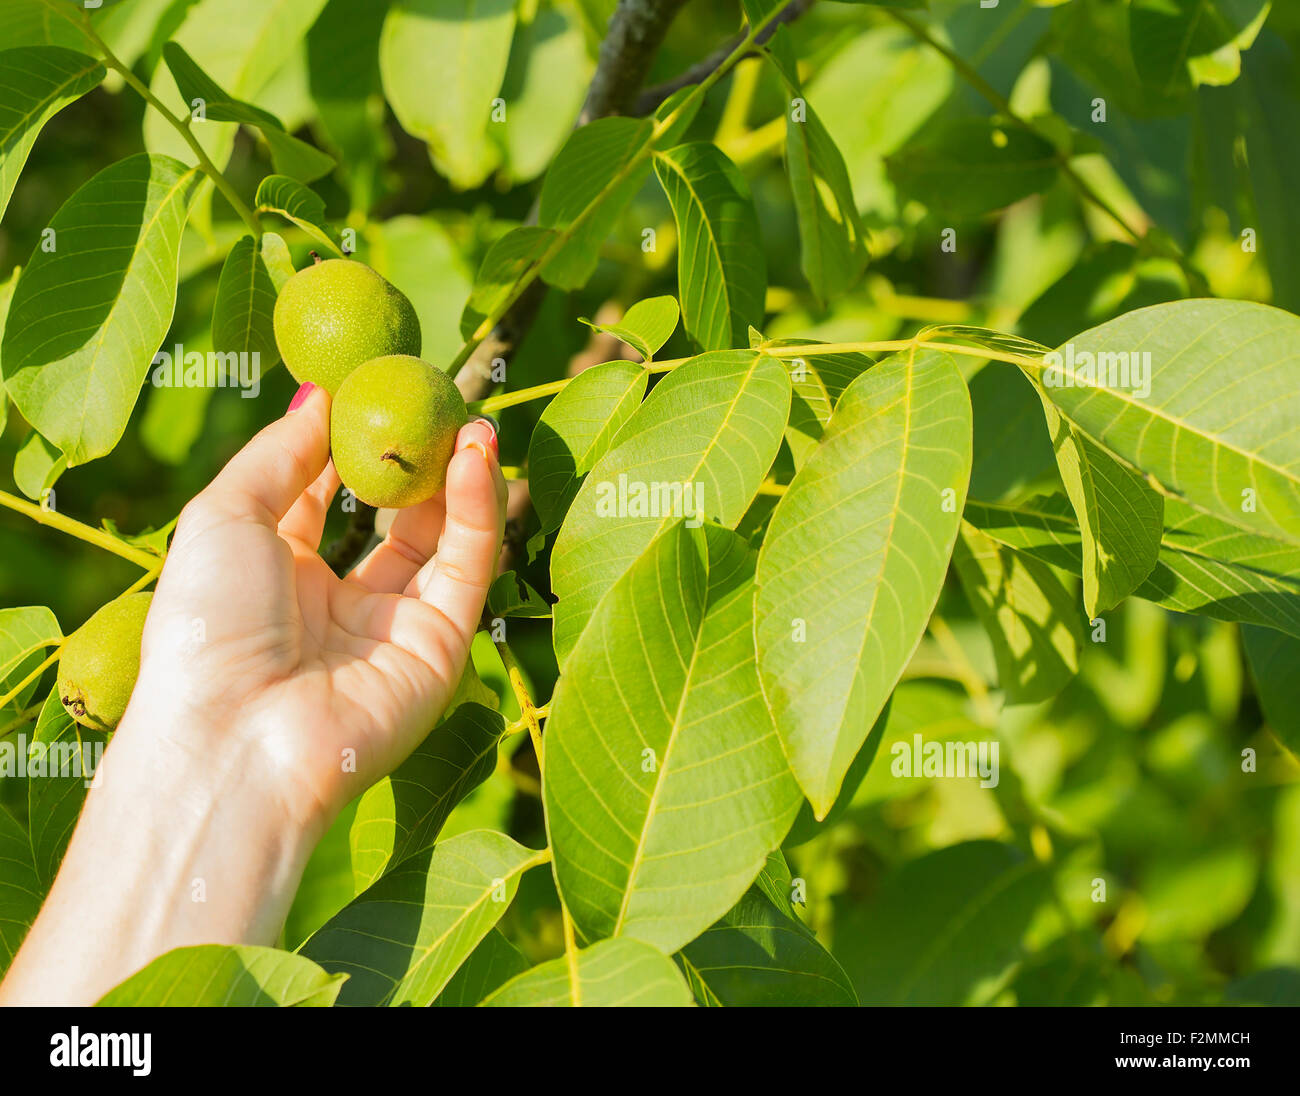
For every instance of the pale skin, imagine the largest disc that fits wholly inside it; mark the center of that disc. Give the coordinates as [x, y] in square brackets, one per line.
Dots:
[271, 693]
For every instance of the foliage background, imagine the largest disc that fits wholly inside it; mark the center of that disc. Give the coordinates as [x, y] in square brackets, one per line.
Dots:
[927, 891]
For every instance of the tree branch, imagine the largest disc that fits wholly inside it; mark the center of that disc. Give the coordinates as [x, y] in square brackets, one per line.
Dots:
[651, 98]
[636, 30]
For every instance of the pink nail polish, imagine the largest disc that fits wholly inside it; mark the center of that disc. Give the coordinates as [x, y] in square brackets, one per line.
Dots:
[300, 397]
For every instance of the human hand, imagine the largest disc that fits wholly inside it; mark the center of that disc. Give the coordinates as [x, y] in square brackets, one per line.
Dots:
[262, 676]
[327, 683]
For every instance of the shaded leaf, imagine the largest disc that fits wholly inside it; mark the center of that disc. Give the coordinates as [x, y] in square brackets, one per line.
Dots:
[760, 955]
[974, 166]
[581, 174]
[403, 938]
[69, 756]
[721, 270]
[36, 82]
[489, 966]
[239, 976]
[832, 252]
[404, 812]
[1030, 617]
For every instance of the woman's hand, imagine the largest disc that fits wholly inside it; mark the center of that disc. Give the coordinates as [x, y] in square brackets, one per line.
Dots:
[270, 694]
[331, 682]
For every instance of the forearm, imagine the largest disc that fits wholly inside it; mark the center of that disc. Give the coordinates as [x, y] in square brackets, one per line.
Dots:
[181, 842]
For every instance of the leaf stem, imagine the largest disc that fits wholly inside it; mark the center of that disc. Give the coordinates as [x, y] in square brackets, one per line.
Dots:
[49, 661]
[101, 538]
[22, 719]
[529, 712]
[182, 127]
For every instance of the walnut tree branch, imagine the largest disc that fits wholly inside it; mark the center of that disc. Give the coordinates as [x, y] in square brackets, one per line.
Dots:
[649, 100]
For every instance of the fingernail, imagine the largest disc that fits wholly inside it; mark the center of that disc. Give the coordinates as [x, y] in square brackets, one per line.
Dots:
[481, 434]
[481, 448]
[300, 397]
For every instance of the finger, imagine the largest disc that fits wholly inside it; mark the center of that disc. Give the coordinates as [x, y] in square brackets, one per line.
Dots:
[305, 520]
[266, 477]
[456, 580]
[410, 541]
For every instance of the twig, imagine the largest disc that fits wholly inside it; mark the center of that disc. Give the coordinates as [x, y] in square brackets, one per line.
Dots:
[651, 98]
[636, 31]
[100, 538]
[342, 553]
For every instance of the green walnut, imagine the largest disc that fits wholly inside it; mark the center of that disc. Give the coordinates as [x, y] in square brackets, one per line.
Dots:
[100, 662]
[393, 430]
[331, 317]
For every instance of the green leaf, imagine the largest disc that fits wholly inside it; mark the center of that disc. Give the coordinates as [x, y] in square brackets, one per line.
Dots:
[1273, 658]
[758, 954]
[69, 757]
[404, 813]
[21, 892]
[1228, 453]
[24, 634]
[467, 44]
[1205, 565]
[1030, 617]
[806, 825]
[712, 425]
[297, 204]
[36, 82]
[238, 976]
[510, 596]
[243, 311]
[1172, 36]
[577, 428]
[507, 263]
[664, 796]
[974, 166]
[406, 935]
[1120, 516]
[582, 174]
[609, 974]
[418, 254]
[944, 929]
[291, 156]
[1012, 448]
[545, 83]
[37, 466]
[88, 316]
[721, 269]
[832, 252]
[241, 45]
[1268, 96]
[855, 557]
[646, 326]
[489, 966]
